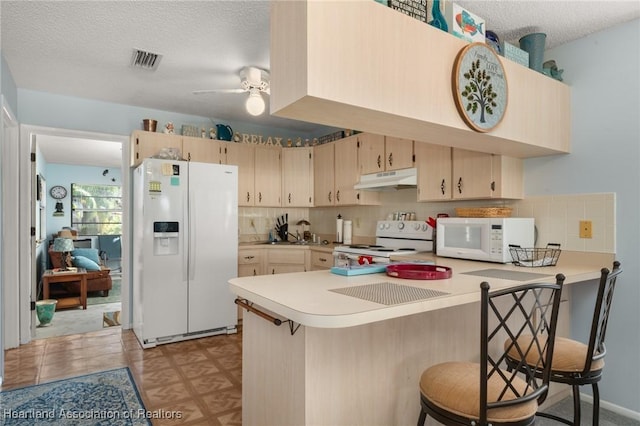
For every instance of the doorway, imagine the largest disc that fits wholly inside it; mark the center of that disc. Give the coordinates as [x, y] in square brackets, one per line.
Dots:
[69, 150]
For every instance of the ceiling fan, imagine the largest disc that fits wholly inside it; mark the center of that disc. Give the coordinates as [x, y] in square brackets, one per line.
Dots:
[253, 80]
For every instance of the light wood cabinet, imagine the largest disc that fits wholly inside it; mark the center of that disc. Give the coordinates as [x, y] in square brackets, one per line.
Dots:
[147, 144]
[268, 176]
[250, 262]
[324, 175]
[372, 157]
[204, 150]
[315, 80]
[297, 177]
[478, 175]
[321, 260]
[384, 153]
[243, 156]
[283, 261]
[347, 174]
[433, 163]
[456, 174]
[398, 153]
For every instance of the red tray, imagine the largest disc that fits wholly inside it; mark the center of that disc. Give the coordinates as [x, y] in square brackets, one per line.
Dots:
[419, 272]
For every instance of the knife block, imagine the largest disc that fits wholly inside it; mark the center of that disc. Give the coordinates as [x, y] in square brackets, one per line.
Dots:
[283, 232]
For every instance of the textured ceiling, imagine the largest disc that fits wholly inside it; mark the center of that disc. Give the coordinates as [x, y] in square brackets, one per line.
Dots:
[83, 48]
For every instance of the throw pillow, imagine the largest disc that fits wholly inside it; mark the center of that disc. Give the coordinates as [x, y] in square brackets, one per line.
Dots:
[86, 263]
[89, 253]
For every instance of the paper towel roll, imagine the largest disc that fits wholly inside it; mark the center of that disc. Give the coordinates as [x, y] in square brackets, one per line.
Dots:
[347, 226]
[339, 229]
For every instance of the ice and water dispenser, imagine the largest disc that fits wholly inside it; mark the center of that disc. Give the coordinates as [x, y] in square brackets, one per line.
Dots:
[165, 238]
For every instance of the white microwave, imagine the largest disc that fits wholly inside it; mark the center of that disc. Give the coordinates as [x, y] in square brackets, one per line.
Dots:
[485, 239]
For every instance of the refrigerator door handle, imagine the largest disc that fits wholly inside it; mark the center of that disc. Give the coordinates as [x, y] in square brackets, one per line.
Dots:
[192, 237]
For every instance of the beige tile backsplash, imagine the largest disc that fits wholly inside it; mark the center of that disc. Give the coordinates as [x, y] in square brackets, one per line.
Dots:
[558, 220]
[557, 217]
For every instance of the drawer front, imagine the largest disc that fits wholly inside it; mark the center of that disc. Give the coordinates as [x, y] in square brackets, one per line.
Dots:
[321, 259]
[249, 270]
[247, 257]
[286, 256]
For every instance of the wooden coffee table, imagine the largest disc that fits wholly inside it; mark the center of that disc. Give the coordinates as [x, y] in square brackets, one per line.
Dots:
[49, 277]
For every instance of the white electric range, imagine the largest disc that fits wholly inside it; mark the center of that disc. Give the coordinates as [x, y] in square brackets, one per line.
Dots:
[393, 238]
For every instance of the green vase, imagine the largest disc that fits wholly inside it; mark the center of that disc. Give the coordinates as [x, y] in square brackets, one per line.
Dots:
[534, 44]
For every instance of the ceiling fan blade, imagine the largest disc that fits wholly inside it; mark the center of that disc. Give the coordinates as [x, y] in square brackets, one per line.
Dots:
[202, 92]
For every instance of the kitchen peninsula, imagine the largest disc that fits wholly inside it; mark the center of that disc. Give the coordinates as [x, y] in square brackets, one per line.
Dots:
[344, 360]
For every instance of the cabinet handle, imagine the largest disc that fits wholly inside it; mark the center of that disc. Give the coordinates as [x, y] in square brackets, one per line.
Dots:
[259, 197]
[248, 196]
[273, 272]
[460, 185]
[329, 196]
[338, 195]
[322, 259]
[189, 157]
[255, 272]
[493, 185]
[289, 198]
[379, 160]
[249, 257]
[442, 187]
[391, 159]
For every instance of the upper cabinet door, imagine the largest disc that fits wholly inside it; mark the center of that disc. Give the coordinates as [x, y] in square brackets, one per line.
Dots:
[297, 177]
[398, 153]
[347, 171]
[268, 176]
[147, 144]
[434, 172]
[243, 155]
[472, 175]
[371, 153]
[203, 150]
[324, 175]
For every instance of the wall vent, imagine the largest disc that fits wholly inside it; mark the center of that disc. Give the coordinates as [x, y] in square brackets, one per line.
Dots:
[145, 60]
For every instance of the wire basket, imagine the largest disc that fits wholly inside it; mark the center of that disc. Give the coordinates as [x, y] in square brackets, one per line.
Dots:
[535, 257]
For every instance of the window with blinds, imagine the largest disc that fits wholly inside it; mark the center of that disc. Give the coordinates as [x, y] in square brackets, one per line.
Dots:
[96, 209]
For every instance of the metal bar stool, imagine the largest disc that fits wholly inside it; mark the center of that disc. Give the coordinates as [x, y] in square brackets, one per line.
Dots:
[575, 363]
[463, 393]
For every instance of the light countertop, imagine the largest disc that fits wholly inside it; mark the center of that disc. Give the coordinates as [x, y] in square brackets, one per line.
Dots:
[306, 297]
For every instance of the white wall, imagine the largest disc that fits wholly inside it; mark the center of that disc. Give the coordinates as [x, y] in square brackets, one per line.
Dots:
[603, 71]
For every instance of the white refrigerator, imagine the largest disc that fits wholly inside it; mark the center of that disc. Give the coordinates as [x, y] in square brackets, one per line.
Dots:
[185, 250]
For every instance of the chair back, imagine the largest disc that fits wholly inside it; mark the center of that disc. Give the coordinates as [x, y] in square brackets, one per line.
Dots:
[607, 285]
[526, 310]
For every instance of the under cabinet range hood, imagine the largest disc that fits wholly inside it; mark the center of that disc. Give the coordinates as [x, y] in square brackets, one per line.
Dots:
[386, 181]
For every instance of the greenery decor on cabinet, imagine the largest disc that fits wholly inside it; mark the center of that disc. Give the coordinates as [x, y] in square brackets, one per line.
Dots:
[480, 87]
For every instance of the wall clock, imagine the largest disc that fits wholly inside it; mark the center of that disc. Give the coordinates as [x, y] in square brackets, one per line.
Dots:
[480, 87]
[58, 192]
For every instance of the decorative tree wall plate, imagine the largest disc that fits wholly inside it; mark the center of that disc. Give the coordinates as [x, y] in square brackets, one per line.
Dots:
[480, 87]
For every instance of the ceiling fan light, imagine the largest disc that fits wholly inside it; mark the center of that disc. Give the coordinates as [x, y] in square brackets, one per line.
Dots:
[255, 104]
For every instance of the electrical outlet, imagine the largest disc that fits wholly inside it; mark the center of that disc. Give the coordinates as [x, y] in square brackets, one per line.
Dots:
[585, 229]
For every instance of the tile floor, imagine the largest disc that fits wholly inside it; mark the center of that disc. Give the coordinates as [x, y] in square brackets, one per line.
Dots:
[200, 378]
[76, 321]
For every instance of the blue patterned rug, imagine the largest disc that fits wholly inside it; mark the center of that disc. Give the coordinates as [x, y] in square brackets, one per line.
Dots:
[106, 398]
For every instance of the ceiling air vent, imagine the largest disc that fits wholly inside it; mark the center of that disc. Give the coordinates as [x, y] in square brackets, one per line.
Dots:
[145, 60]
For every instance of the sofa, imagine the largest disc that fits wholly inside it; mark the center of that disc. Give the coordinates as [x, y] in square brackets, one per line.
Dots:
[99, 280]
